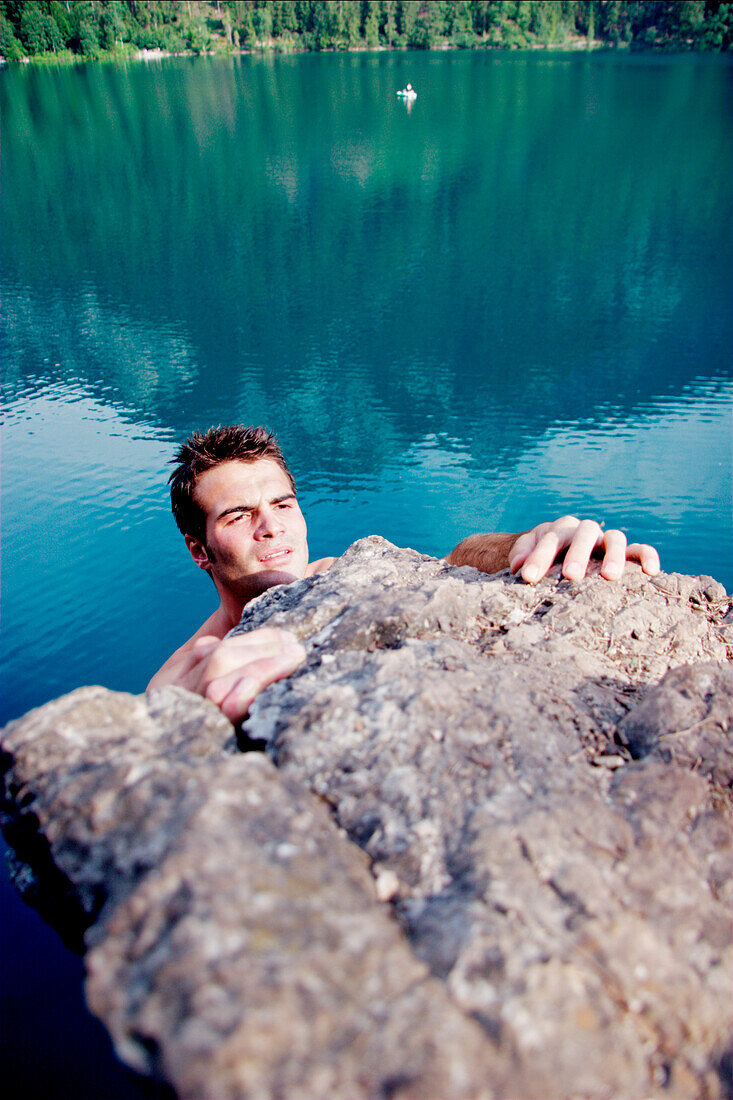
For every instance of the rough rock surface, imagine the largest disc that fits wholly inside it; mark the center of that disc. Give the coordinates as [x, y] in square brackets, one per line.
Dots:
[492, 856]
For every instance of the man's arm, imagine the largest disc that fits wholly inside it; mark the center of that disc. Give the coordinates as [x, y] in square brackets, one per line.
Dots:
[233, 671]
[533, 552]
[489, 553]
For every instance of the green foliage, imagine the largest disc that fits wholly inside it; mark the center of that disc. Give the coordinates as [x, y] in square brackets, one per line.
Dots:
[38, 31]
[245, 26]
[31, 28]
[91, 28]
[513, 37]
[388, 25]
[88, 39]
[428, 26]
[406, 16]
[10, 47]
[262, 20]
[370, 22]
[198, 38]
[717, 30]
[59, 14]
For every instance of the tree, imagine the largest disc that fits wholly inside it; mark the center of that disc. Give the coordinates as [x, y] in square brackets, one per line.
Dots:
[262, 19]
[277, 18]
[486, 15]
[53, 38]
[428, 26]
[370, 22]
[611, 21]
[546, 21]
[61, 17]
[113, 25]
[406, 17]
[388, 27]
[246, 27]
[691, 18]
[288, 16]
[88, 39]
[351, 15]
[718, 30]
[32, 31]
[591, 31]
[461, 22]
[10, 47]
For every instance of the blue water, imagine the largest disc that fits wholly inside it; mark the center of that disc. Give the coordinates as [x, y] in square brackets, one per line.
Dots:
[510, 302]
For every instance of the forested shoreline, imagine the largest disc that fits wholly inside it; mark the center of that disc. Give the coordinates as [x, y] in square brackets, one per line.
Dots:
[71, 30]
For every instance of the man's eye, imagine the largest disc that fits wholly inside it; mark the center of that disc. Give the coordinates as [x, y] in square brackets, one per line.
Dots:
[285, 504]
[238, 515]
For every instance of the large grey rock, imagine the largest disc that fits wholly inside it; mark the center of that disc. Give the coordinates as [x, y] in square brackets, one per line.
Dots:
[493, 858]
[235, 944]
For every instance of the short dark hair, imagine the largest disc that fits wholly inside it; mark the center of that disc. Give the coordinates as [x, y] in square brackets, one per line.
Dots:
[204, 451]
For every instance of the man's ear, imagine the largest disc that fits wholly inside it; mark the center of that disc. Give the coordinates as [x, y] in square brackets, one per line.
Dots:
[198, 552]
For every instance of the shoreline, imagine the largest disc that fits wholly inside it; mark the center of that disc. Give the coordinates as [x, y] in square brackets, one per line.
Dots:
[575, 44]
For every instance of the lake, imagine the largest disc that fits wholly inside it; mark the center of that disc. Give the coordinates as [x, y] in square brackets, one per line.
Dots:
[504, 302]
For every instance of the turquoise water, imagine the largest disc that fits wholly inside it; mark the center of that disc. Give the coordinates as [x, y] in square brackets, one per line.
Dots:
[510, 302]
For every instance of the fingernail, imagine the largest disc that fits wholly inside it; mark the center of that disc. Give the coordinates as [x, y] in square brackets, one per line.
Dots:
[530, 573]
[514, 562]
[612, 572]
[572, 570]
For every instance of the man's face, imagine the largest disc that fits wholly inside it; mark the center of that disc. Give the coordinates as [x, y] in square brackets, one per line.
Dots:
[255, 531]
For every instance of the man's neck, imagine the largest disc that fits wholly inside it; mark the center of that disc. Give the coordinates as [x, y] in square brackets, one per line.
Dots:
[231, 604]
[230, 610]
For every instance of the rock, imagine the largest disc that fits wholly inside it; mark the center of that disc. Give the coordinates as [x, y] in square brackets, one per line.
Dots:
[687, 719]
[235, 944]
[488, 852]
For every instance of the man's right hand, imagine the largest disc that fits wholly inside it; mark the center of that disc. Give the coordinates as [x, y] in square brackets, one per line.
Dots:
[231, 672]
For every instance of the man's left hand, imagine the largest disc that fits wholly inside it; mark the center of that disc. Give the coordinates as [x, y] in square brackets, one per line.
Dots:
[535, 551]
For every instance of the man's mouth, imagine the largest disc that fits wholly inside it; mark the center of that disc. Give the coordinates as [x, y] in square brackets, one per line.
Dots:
[276, 556]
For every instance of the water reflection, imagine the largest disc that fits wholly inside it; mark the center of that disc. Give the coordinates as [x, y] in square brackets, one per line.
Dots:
[296, 232]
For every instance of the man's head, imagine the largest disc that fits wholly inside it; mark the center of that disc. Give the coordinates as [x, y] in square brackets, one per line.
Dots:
[204, 451]
[234, 501]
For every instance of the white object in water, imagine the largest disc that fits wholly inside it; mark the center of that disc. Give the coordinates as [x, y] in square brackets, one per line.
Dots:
[408, 92]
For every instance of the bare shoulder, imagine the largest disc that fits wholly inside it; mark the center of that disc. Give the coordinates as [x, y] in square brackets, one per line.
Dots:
[215, 626]
[319, 566]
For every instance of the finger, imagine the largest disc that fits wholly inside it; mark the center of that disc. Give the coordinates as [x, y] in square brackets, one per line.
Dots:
[556, 539]
[243, 690]
[268, 638]
[614, 559]
[647, 555]
[232, 653]
[204, 645]
[525, 544]
[588, 535]
[235, 706]
[253, 676]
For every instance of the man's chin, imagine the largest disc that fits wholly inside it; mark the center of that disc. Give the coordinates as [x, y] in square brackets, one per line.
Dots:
[257, 583]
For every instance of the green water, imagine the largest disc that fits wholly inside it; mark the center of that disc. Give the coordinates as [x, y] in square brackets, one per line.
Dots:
[509, 302]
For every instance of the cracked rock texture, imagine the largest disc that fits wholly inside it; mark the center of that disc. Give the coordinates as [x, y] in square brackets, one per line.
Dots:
[487, 853]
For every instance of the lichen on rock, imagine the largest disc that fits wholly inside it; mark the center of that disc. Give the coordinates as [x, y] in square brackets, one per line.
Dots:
[487, 852]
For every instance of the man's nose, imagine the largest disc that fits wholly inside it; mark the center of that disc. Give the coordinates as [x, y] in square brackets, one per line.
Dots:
[269, 524]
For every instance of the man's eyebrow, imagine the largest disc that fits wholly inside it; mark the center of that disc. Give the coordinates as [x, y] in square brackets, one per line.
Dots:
[251, 507]
[236, 508]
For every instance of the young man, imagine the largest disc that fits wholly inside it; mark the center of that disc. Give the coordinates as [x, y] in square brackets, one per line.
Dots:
[234, 501]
